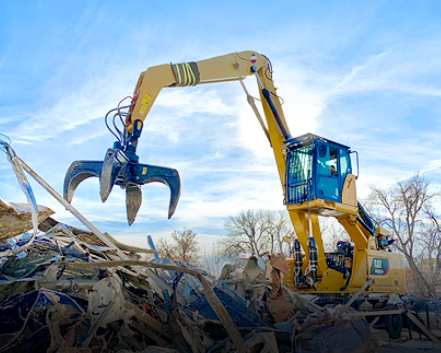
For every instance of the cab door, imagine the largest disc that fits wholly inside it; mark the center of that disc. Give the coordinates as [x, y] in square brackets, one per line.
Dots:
[328, 166]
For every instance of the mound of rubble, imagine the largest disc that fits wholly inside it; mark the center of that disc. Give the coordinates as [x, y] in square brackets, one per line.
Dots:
[69, 292]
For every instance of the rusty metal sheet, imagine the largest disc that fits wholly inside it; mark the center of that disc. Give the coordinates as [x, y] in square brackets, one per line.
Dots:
[280, 308]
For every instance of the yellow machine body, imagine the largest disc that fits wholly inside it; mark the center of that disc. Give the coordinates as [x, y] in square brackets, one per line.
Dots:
[370, 258]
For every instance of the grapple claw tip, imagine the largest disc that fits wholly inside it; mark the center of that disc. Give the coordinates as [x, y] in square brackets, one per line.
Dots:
[133, 202]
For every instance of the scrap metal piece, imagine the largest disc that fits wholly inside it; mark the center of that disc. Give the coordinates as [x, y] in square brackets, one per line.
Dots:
[280, 308]
[66, 204]
[15, 218]
[148, 333]
[126, 247]
[354, 297]
[18, 167]
[211, 296]
[98, 323]
[107, 290]
[236, 306]
[337, 336]
[18, 330]
[155, 349]
[227, 269]
[423, 328]
[252, 271]
[54, 317]
[149, 321]
[264, 341]
[64, 349]
[152, 246]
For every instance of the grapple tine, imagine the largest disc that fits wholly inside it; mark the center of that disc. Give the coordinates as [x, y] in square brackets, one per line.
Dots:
[174, 183]
[133, 202]
[145, 174]
[77, 172]
[113, 163]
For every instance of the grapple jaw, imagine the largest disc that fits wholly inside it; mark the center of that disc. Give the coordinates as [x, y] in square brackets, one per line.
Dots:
[121, 167]
[77, 172]
[117, 169]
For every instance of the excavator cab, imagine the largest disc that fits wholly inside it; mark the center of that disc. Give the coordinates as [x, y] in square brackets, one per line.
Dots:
[316, 169]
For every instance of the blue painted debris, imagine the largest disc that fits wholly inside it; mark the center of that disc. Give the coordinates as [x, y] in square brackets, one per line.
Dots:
[235, 304]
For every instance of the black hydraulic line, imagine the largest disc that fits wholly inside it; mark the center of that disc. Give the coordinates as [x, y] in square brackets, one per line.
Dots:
[365, 219]
[267, 95]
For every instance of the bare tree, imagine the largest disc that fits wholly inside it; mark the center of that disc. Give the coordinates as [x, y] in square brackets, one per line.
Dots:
[401, 208]
[255, 231]
[279, 226]
[430, 238]
[183, 246]
[332, 232]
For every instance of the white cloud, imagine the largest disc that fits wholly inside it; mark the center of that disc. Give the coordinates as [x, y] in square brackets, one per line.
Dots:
[402, 69]
[70, 111]
[87, 137]
[432, 165]
[193, 100]
[355, 80]
[17, 141]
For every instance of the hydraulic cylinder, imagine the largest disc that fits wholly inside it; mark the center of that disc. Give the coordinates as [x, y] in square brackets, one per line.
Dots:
[313, 258]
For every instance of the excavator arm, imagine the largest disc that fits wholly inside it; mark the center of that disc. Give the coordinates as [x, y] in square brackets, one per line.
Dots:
[121, 164]
[231, 67]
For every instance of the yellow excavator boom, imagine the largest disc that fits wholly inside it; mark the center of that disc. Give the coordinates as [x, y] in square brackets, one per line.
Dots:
[315, 175]
[231, 67]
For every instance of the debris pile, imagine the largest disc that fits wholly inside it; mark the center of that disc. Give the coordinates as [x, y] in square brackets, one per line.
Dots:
[66, 290]
[69, 292]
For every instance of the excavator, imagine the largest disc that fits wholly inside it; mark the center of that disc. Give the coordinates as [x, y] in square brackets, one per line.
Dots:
[316, 175]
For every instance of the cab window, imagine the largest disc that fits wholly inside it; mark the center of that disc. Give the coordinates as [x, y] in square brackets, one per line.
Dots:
[327, 160]
[333, 162]
[345, 164]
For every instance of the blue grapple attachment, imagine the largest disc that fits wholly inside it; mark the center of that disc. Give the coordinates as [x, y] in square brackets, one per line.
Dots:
[121, 167]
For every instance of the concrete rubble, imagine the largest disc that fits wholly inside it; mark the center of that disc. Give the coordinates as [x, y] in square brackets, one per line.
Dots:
[68, 290]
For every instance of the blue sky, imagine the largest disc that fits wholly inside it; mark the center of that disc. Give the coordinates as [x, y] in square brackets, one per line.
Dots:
[366, 74]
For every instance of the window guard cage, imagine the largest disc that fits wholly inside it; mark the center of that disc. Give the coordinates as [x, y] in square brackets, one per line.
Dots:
[299, 172]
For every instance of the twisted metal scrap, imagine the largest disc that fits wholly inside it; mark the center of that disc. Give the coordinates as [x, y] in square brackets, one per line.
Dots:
[211, 296]
[25, 186]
